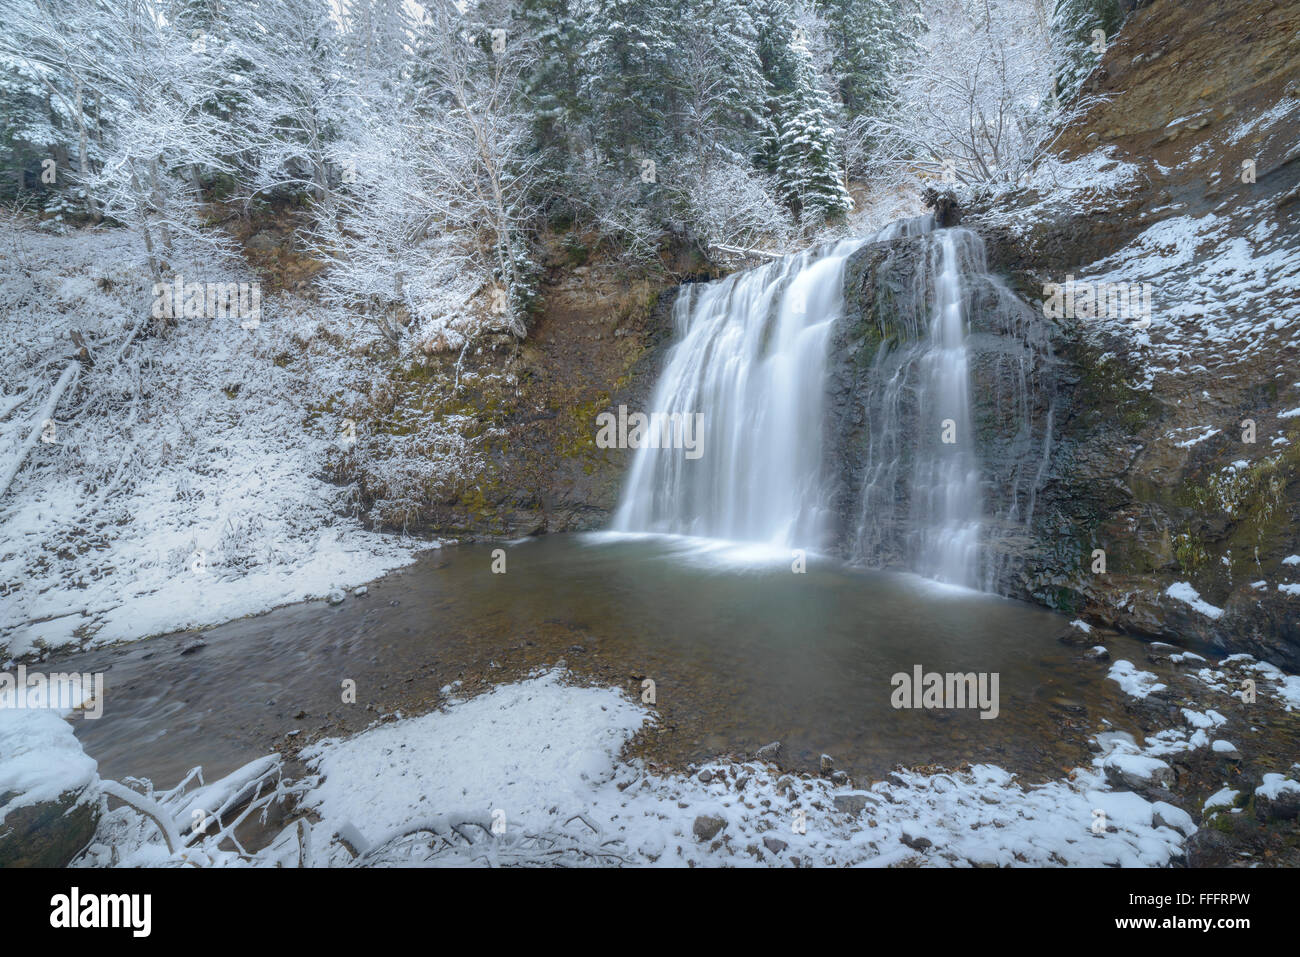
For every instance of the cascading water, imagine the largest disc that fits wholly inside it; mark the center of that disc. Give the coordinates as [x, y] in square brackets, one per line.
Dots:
[924, 500]
[943, 524]
[750, 356]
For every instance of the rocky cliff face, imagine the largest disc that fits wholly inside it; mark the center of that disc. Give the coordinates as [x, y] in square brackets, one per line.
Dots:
[1175, 443]
[518, 419]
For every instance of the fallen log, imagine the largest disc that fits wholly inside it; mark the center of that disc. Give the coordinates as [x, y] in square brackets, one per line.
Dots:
[741, 251]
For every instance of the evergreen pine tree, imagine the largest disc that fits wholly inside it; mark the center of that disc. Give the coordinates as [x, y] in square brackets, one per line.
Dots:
[631, 81]
[213, 30]
[725, 86]
[869, 40]
[550, 80]
[799, 141]
[1073, 23]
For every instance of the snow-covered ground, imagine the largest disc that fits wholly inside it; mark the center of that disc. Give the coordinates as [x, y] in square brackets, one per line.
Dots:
[181, 484]
[541, 751]
[534, 772]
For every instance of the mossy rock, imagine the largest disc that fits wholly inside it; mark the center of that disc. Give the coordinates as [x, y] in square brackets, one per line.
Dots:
[49, 834]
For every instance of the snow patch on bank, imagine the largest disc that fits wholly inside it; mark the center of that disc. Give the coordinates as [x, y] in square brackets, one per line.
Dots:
[40, 758]
[184, 482]
[534, 749]
[1185, 593]
[543, 757]
[1133, 680]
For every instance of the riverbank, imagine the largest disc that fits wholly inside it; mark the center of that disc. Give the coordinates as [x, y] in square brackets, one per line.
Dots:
[551, 764]
[514, 703]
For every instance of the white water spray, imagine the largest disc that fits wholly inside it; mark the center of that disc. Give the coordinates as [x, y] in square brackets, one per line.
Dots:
[751, 357]
[946, 501]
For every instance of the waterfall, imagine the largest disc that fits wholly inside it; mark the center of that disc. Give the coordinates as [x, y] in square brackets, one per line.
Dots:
[751, 357]
[935, 444]
[944, 492]
[933, 494]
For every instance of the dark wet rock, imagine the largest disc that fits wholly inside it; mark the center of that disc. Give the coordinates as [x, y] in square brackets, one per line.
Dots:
[1076, 637]
[1210, 847]
[1225, 751]
[707, 826]
[1097, 653]
[827, 763]
[705, 776]
[947, 211]
[1264, 624]
[1283, 805]
[1165, 814]
[1137, 772]
[769, 752]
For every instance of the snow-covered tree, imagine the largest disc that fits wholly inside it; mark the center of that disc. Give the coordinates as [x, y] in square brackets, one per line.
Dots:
[153, 82]
[50, 102]
[978, 107]
[431, 223]
[301, 91]
[632, 82]
[869, 40]
[721, 78]
[800, 140]
[553, 35]
[1076, 48]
